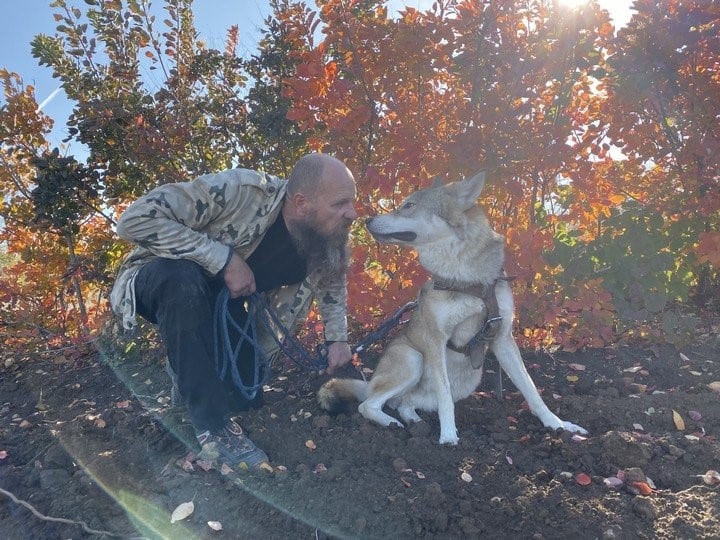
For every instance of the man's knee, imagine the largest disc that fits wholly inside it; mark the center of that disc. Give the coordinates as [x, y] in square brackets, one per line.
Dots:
[176, 284]
[173, 274]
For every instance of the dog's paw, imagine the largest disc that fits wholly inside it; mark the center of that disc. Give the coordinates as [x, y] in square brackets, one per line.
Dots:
[448, 440]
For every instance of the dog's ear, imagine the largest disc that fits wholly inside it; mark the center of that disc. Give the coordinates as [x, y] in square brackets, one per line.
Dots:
[437, 181]
[466, 192]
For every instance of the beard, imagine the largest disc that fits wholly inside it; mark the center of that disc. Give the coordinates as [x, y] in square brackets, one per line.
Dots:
[327, 253]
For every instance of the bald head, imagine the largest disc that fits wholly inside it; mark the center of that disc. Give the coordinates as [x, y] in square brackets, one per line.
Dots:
[312, 171]
[320, 195]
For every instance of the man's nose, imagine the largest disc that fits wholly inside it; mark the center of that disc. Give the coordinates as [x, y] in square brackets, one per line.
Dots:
[352, 213]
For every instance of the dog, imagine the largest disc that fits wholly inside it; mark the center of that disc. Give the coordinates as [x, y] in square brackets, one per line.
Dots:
[466, 308]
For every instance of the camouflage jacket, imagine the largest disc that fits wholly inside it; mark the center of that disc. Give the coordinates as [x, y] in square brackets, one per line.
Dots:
[200, 221]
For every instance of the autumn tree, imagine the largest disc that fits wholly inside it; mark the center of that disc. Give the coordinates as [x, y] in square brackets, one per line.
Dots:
[660, 244]
[189, 118]
[277, 142]
[602, 149]
[27, 264]
[465, 84]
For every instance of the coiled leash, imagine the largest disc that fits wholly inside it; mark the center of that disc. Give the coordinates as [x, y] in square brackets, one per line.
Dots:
[226, 355]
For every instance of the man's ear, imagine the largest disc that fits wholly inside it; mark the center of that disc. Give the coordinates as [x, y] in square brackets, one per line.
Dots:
[299, 202]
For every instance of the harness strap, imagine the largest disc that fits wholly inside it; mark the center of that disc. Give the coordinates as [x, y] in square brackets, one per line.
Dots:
[492, 313]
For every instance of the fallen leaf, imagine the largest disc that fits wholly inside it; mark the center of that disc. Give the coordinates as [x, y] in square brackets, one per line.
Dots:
[695, 415]
[320, 468]
[3, 454]
[684, 358]
[633, 369]
[182, 511]
[310, 444]
[215, 525]
[204, 464]
[696, 373]
[123, 404]
[638, 427]
[405, 482]
[583, 479]
[678, 421]
[420, 475]
[225, 469]
[26, 425]
[711, 478]
[577, 367]
[508, 458]
[578, 438]
[572, 378]
[465, 477]
[265, 466]
[642, 487]
[613, 482]
[714, 386]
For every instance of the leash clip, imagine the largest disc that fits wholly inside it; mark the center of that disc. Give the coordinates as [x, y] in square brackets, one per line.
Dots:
[489, 330]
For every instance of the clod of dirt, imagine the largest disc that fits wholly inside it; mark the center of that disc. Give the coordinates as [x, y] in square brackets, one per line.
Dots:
[623, 450]
[399, 464]
[645, 508]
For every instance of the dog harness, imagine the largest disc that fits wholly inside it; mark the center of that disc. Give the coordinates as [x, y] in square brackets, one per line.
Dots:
[479, 343]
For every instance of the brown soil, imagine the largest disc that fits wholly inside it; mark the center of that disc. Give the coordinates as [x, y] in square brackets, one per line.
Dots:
[93, 440]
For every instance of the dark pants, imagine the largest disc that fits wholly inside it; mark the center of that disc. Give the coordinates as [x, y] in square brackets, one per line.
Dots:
[179, 297]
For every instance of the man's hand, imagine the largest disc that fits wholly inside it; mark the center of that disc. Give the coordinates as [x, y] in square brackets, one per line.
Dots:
[238, 277]
[339, 354]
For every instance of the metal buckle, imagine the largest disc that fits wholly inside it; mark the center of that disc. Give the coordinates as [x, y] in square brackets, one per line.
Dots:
[488, 332]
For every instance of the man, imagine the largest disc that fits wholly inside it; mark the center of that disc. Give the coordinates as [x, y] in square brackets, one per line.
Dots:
[249, 232]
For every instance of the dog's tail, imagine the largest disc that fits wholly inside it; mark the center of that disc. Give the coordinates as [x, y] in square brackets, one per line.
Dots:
[336, 395]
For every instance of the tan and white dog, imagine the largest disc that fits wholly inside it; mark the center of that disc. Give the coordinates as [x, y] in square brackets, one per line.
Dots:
[437, 359]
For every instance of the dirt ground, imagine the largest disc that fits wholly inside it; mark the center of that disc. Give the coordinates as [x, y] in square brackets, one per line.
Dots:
[94, 440]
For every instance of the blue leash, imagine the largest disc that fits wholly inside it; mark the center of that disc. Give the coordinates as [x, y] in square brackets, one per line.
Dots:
[226, 356]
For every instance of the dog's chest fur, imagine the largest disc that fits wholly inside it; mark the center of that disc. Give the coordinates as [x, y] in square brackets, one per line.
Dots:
[448, 315]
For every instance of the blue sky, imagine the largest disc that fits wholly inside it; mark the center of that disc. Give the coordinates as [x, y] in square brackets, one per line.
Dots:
[27, 18]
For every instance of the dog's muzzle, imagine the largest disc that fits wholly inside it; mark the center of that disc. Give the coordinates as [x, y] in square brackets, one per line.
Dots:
[401, 236]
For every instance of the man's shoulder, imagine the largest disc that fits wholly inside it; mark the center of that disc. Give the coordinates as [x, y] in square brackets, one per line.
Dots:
[238, 178]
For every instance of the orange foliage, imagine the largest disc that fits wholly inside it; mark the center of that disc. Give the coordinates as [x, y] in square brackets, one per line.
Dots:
[520, 88]
[582, 131]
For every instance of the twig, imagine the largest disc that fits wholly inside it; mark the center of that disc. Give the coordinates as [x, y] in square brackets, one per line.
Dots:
[54, 519]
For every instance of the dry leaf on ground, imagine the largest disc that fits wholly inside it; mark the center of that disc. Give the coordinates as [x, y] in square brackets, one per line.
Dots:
[678, 421]
[182, 511]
